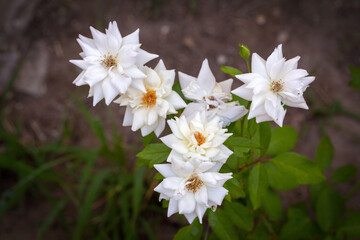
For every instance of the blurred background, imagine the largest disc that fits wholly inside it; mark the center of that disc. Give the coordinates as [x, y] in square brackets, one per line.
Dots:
[57, 151]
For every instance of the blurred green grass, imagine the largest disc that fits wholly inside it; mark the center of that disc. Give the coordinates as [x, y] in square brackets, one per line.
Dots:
[105, 202]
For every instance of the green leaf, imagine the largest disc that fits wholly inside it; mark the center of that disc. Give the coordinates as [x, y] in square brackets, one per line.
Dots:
[244, 51]
[241, 142]
[351, 225]
[138, 191]
[149, 138]
[92, 194]
[344, 174]
[282, 140]
[298, 225]
[192, 231]
[259, 233]
[324, 153]
[329, 208]
[154, 153]
[262, 137]
[221, 225]
[235, 187]
[257, 184]
[86, 171]
[230, 70]
[148, 229]
[51, 218]
[288, 170]
[240, 215]
[95, 125]
[355, 74]
[315, 191]
[271, 203]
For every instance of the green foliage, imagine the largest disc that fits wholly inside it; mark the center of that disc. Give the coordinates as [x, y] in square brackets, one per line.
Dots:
[344, 174]
[219, 224]
[154, 153]
[351, 225]
[355, 74]
[262, 137]
[240, 215]
[324, 153]
[230, 70]
[282, 140]
[271, 203]
[192, 231]
[257, 184]
[329, 208]
[235, 187]
[91, 196]
[288, 170]
[298, 225]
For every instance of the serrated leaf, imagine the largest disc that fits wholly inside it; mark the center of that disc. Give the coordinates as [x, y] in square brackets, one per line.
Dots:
[154, 153]
[221, 225]
[355, 74]
[344, 174]
[329, 208]
[271, 203]
[282, 140]
[240, 215]
[230, 70]
[257, 184]
[324, 153]
[192, 231]
[288, 170]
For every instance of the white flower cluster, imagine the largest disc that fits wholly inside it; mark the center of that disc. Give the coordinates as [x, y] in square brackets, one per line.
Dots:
[113, 66]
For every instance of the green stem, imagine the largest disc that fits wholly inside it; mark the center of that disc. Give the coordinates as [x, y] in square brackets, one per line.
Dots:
[244, 118]
[349, 114]
[260, 160]
[248, 65]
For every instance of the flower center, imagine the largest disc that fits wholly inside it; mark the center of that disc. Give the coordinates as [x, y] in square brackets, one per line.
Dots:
[109, 61]
[193, 183]
[149, 98]
[199, 138]
[276, 86]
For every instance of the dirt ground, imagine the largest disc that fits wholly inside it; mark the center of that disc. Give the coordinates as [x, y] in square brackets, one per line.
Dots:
[38, 38]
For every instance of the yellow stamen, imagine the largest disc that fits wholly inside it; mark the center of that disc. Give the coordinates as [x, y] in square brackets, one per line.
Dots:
[109, 61]
[149, 98]
[276, 86]
[199, 138]
[194, 183]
